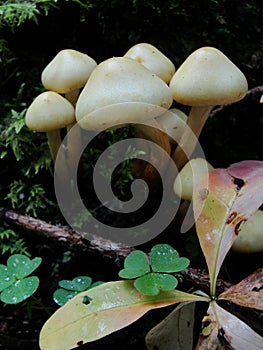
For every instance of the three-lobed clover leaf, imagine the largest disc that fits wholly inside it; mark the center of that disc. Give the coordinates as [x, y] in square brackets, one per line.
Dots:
[15, 285]
[152, 283]
[136, 264]
[70, 288]
[165, 258]
[153, 275]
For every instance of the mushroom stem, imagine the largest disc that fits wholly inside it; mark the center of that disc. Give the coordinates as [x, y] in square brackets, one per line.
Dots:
[73, 133]
[72, 96]
[54, 142]
[196, 121]
[151, 132]
[74, 141]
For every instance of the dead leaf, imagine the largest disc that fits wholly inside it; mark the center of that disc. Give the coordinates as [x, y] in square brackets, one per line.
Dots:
[222, 330]
[175, 332]
[248, 292]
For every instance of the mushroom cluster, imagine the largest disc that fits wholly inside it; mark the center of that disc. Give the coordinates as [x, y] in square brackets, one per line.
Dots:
[142, 88]
[54, 109]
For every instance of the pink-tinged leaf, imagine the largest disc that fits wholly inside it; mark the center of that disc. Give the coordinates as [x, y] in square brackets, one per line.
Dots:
[222, 330]
[221, 204]
[112, 306]
[248, 292]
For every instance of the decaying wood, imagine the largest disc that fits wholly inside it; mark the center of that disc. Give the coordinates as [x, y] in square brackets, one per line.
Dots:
[190, 277]
[64, 234]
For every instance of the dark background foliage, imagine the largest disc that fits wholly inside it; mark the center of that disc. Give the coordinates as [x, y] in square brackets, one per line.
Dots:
[103, 29]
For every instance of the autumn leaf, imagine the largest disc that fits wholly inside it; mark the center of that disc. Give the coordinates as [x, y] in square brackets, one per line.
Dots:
[248, 292]
[112, 306]
[221, 204]
[222, 330]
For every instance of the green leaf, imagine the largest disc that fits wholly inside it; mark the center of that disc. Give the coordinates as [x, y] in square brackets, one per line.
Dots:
[230, 197]
[21, 266]
[164, 258]
[136, 264]
[62, 296]
[153, 283]
[113, 306]
[5, 278]
[78, 284]
[20, 290]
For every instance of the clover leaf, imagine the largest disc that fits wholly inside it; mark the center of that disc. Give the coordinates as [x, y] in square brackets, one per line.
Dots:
[78, 284]
[20, 290]
[136, 264]
[6, 278]
[70, 288]
[152, 275]
[153, 283]
[15, 286]
[165, 258]
[21, 266]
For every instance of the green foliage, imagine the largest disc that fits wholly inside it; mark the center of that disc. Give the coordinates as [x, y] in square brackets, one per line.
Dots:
[70, 288]
[15, 285]
[6, 55]
[31, 157]
[27, 147]
[15, 13]
[10, 242]
[30, 198]
[152, 275]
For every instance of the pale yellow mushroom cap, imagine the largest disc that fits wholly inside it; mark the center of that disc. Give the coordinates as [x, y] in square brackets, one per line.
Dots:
[250, 236]
[49, 111]
[121, 90]
[173, 123]
[208, 78]
[189, 176]
[69, 70]
[153, 59]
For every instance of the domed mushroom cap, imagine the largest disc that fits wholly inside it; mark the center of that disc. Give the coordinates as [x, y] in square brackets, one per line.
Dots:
[69, 70]
[250, 236]
[189, 176]
[121, 91]
[153, 59]
[49, 111]
[207, 78]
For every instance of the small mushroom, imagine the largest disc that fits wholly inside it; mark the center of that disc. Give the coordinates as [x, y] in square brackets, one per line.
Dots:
[189, 176]
[153, 59]
[250, 236]
[205, 79]
[66, 74]
[121, 91]
[49, 112]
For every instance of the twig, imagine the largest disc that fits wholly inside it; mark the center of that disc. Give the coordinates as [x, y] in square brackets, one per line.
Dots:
[194, 278]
